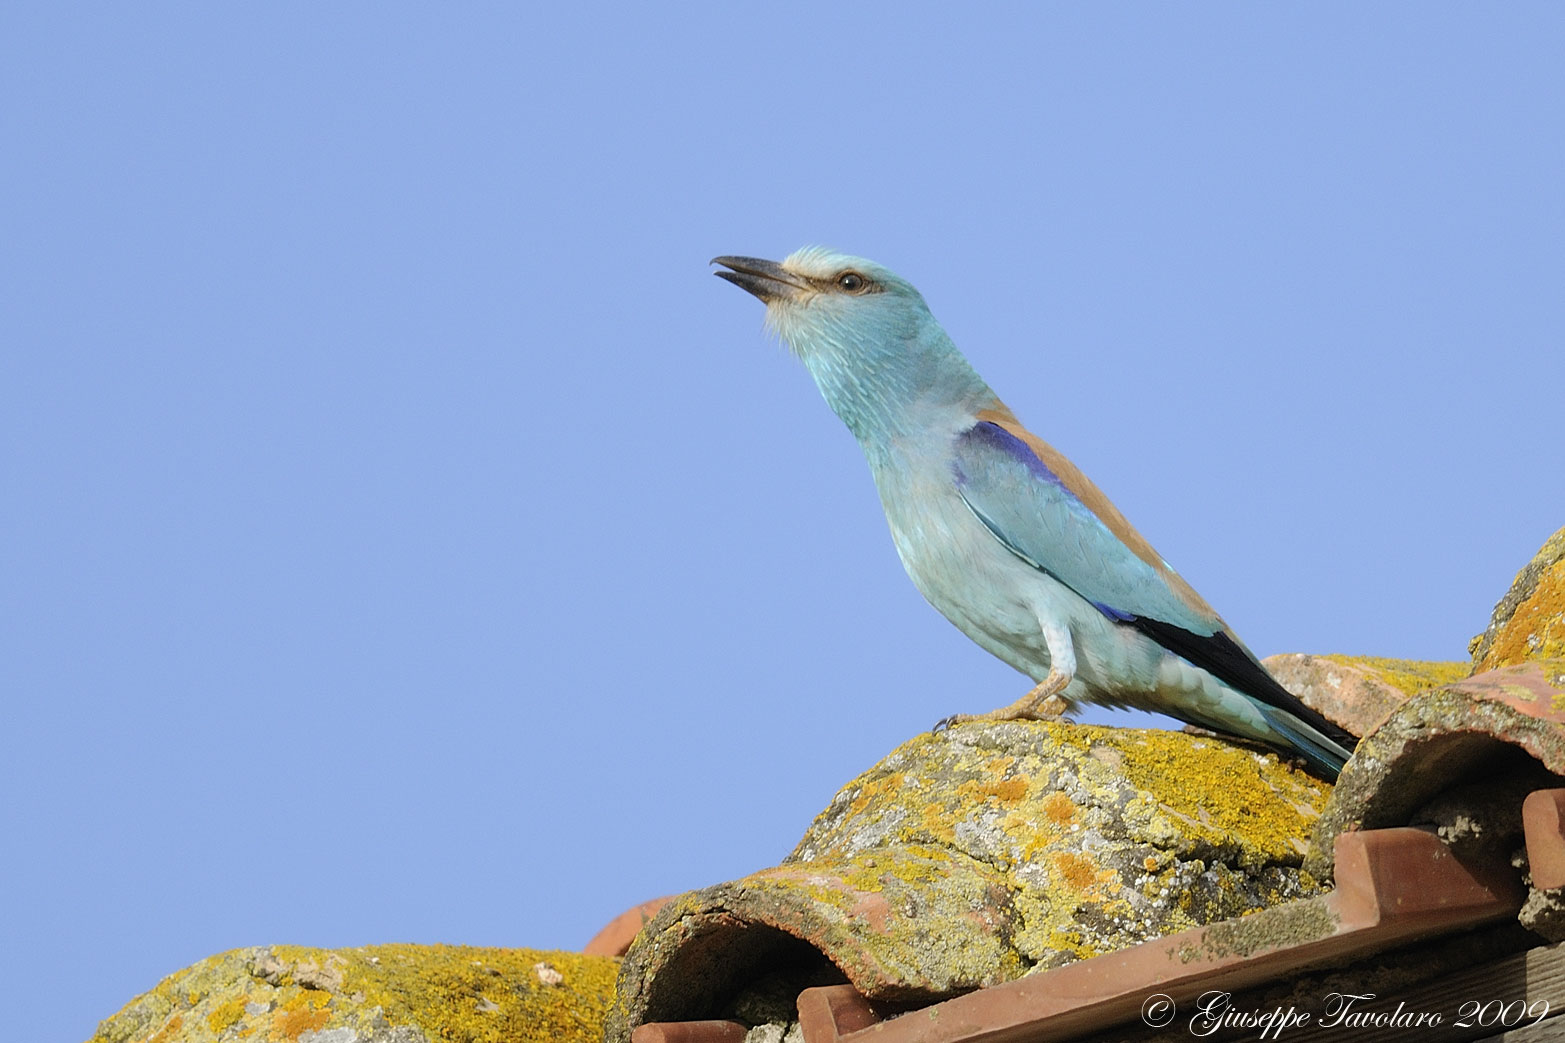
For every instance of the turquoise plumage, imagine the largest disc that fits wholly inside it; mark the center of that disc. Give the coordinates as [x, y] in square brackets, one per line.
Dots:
[1002, 534]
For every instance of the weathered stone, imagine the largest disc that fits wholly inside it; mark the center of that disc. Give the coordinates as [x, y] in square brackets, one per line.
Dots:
[1529, 622]
[1499, 731]
[1358, 692]
[377, 994]
[1544, 914]
[972, 857]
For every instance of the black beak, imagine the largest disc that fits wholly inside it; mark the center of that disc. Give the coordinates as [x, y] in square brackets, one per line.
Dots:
[768, 280]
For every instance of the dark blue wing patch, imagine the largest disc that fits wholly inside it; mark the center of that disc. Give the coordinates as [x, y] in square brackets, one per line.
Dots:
[993, 436]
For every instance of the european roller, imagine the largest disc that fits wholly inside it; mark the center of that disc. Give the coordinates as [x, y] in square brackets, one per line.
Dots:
[1002, 534]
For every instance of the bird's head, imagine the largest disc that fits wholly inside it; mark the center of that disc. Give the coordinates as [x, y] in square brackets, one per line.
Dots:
[865, 333]
[820, 301]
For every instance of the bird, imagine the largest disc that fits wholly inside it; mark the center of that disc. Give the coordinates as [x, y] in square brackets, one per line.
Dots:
[1006, 537]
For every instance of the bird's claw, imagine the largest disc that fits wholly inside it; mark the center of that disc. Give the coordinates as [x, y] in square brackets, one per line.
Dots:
[1041, 703]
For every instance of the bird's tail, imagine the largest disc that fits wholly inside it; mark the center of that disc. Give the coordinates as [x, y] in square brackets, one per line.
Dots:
[1324, 754]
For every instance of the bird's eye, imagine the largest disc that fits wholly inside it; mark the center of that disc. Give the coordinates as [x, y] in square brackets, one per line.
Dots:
[852, 282]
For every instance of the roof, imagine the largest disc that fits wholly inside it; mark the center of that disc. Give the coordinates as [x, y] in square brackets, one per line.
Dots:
[1435, 870]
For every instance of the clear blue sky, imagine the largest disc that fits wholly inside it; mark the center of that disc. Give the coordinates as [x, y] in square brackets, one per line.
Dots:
[405, 538]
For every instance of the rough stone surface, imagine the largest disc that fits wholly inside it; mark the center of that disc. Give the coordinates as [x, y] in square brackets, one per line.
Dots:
[1500, 731]
[377, 994]
[973, 857]
[1529, 622]
[1358, 692]
[1535, 689]
[1544, 914]
[1461, 758]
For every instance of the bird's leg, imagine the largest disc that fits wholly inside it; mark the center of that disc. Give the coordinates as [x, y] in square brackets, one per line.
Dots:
[1043, 700]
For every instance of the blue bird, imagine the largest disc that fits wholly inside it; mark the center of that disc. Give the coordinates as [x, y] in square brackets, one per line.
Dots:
[1006, 537]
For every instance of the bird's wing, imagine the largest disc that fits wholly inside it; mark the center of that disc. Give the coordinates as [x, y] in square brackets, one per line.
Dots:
[1049, 514]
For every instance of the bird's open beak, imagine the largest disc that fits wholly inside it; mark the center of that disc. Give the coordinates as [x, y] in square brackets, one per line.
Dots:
[768, 280]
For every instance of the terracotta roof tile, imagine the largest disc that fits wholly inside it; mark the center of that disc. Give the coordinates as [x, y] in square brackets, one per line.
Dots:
[619, 932]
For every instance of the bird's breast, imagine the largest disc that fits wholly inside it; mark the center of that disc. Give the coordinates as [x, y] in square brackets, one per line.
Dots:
[961, 569]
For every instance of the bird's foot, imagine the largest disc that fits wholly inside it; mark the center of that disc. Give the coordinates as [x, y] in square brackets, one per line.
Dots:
[1049, 708]
[1041, 703]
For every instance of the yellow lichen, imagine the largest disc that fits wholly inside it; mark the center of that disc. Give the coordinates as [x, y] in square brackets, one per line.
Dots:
[1071, 941]
[1093, 833]
[449, 993]
[1059, 809]
[1408, 676]
[166, 1033]
[408, 980]
[1076, 871]
[1007, 789]
[226, 1014]
[294, 1023]
[1529, 622]
[1536, 629]
[306, 1000]
[1261, 806]
[917, 865]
